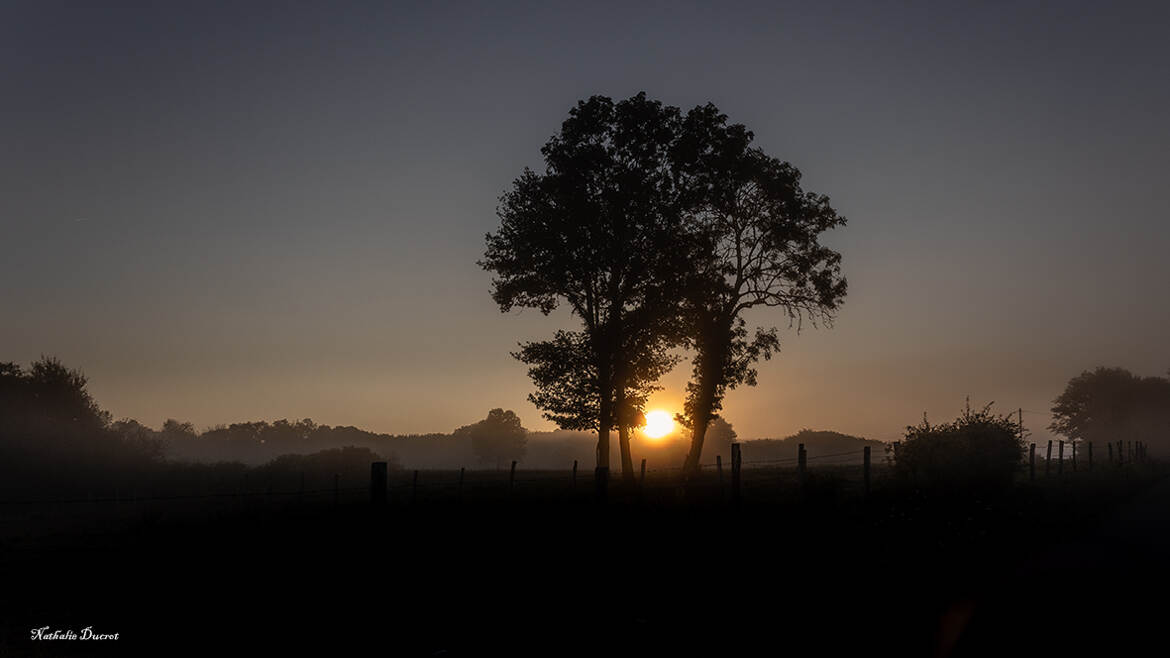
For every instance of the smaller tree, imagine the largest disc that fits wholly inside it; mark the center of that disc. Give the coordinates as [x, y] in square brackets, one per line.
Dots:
[978, 450]
[1113, 404]
[497, 438]
[568, 390]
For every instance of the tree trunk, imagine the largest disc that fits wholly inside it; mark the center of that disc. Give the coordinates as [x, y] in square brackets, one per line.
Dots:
[627, 457]
[603, 449]
[701, 421]
[709, 375]
[605, 410]
[621, 413]
[603, 437]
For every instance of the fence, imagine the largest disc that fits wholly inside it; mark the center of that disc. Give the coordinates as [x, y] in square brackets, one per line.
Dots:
[1127, 453]
[732, 482]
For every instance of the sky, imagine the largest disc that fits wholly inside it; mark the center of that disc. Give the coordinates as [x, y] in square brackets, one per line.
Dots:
[236, 211]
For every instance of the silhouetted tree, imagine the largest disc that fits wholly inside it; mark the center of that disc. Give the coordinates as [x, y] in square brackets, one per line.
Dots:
[567, 388]
[598, 231]
[1113, 404]
[497, 438]
[760, 233]
[49, 420]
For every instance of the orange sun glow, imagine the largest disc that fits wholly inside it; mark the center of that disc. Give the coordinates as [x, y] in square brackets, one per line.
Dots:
[658, 424]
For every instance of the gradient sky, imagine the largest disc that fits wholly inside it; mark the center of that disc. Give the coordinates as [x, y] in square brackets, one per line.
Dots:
[226, 213]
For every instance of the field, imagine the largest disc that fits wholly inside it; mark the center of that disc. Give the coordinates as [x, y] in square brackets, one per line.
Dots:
[538, 566]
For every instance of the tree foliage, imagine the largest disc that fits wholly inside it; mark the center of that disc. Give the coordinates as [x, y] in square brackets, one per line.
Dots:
[1112, 404]
[597, 231]
[759, 233]
[48, 416]
[497, 438]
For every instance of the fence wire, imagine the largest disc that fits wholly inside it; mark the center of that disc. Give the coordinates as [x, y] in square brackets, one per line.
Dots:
[473, 481]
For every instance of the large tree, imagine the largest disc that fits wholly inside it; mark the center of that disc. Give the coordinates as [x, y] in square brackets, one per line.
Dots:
[760, 236]
[597, 231]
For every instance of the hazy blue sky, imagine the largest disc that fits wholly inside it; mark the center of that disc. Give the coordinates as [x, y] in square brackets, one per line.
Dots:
[224, 213]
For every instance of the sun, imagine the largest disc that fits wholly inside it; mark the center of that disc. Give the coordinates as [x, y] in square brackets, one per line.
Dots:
[658, 424]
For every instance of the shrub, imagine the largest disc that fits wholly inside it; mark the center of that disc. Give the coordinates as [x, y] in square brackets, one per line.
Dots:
[978, 450]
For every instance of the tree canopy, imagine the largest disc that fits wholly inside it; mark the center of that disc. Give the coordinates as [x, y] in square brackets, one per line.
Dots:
[658, 229]
[759, 233]
[596, 231]
[1112, 404]
[497, 438]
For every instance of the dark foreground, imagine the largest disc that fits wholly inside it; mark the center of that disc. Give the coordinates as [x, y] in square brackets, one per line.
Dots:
[1068, 568]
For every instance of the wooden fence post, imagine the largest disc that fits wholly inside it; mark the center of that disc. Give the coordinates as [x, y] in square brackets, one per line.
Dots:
[1060, 458]
[865, 465]
[1048, 460]
[378, 484]
[736, 467]
[573, 480]
[1129, 454]
[1109, 444]
[1120, 453]
[801, 465]
[1032, 463]
[512, 477]
[719, 470]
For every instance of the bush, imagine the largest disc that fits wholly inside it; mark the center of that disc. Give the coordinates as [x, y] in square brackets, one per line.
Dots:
[978, 450]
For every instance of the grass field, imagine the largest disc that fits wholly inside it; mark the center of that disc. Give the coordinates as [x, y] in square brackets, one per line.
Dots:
[540, 567]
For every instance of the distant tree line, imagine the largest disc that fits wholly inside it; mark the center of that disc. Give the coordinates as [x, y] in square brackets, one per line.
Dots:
[53, 433]
[817, 443]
